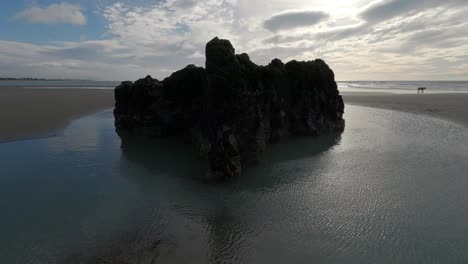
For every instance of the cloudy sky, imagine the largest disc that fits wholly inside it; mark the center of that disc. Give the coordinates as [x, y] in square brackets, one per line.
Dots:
[127, 39]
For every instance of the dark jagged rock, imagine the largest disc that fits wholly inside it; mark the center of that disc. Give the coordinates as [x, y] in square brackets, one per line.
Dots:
[232, 109]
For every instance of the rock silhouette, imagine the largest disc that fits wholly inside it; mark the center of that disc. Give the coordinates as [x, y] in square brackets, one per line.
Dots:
[231, 109]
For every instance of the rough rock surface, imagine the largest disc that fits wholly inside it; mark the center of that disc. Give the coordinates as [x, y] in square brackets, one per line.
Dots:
[233, 108]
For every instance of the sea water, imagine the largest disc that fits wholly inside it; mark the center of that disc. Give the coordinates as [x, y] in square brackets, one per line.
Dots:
[390, 189]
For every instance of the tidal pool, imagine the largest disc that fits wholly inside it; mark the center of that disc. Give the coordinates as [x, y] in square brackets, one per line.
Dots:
[391, 189]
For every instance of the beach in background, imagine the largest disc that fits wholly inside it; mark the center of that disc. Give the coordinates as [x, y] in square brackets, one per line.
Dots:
[403, 87]
[28, 113]
[449, 106]
[443, 99]
[32, 109]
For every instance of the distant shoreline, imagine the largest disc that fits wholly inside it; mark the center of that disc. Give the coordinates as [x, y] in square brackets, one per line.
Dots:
[22, 79]
[29, 113]
[36, 79]
[43, 79]
[447, 106]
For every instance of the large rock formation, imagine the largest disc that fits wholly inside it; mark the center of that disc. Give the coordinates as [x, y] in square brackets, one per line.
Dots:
[232, 109]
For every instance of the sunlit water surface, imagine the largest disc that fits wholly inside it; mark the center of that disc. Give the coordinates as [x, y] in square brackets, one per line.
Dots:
[391, 189]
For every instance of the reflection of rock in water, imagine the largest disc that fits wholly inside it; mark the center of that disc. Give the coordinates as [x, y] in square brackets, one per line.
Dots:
[227, 228]
[167, 170]
[163, 157]
[171, 158]
[265, 175]
[169, 167]
[211, 213]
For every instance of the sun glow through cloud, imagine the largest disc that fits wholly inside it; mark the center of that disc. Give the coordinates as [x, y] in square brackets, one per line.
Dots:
[360, 39]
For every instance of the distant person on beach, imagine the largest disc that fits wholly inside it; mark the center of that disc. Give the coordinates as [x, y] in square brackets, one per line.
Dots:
[421, 89]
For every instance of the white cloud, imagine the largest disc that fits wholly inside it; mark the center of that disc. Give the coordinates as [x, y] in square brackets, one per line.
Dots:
[167, 29]
[360, 39]
[386, 9]
[294, 19]
[84, 60]
[197, 55]
[54, 13]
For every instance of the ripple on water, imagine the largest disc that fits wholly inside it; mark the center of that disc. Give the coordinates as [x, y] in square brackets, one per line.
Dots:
[390, 189]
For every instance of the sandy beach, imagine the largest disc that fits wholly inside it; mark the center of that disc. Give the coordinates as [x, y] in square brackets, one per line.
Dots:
[452, 107]
[32, 113]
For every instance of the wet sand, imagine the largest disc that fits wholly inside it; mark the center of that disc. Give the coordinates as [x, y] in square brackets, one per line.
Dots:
[33, 113]
[453, 106]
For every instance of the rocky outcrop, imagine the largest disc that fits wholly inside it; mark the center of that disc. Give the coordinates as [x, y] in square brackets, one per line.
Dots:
[233, 108]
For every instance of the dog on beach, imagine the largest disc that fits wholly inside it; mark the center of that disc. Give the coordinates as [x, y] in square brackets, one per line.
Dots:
[421, 89]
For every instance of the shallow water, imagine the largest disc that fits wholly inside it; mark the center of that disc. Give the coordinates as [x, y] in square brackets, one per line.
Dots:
[390, 189]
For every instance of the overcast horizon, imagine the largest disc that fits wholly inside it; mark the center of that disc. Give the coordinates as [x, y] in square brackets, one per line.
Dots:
[119, 40]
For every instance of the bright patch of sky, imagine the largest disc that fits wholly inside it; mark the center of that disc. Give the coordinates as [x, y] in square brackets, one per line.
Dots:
[127, 39]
